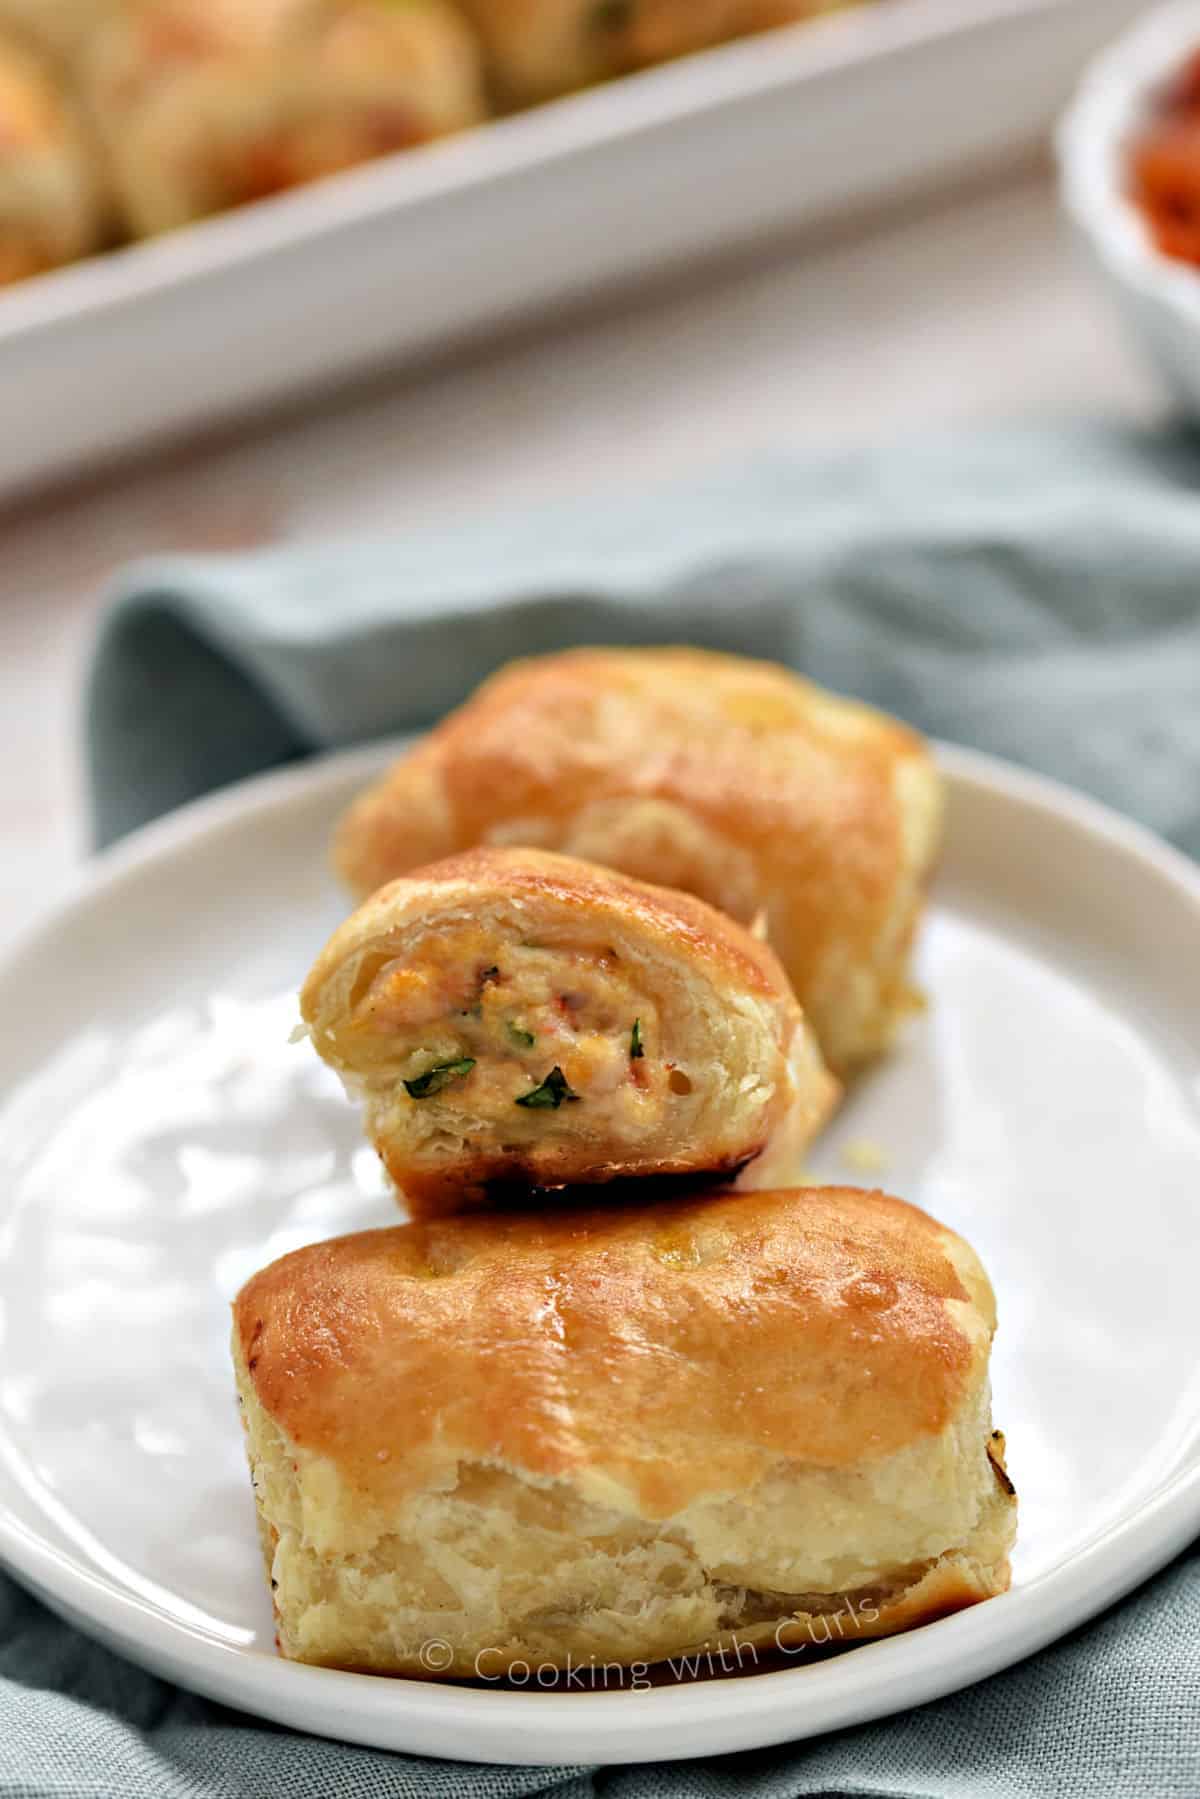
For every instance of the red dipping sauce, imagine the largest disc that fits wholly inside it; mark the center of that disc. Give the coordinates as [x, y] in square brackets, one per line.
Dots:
[1165, 167]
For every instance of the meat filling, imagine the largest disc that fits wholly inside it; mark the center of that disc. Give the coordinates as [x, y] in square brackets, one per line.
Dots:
[514, 1040]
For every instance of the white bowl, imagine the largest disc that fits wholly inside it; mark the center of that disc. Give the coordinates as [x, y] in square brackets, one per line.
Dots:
[1159, 297]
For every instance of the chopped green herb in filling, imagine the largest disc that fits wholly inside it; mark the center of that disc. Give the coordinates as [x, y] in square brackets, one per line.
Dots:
[435, 1078]
[520, 1036]
[636, 1046]
[550, 1094]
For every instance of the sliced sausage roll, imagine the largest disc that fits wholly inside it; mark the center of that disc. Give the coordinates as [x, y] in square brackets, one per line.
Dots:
[516, 1019]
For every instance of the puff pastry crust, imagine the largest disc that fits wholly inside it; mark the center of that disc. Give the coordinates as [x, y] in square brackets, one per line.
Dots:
[734, 780]
[516, 1019]
[205, 104]
[623, 1434]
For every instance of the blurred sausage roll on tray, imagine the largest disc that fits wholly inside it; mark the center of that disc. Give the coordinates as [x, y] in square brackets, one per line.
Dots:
[537, 49]
[206, 104]
[50, 206]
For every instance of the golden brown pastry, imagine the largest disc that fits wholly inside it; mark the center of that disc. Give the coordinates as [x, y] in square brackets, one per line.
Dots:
[544, 1437]
[768, 15]
[205, 104]
[734, 780]
[50, 211]
[516, 1018]
[539, 48]
[60, 29]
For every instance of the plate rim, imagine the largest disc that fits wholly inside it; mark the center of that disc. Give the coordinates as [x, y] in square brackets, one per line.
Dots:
[614, 1726]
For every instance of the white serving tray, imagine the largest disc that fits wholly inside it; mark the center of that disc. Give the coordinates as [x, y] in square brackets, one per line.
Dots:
[388, 261]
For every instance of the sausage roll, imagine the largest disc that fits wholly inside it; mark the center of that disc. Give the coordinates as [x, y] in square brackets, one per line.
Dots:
[50, 211]
[205, 104]
[539, 48]
[734, 780]
[516, 1019]
[543, 1438]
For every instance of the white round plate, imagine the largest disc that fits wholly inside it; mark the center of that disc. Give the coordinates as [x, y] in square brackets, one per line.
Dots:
[162, 1138]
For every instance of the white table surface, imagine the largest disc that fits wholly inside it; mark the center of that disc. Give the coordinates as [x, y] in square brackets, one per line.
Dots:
[964, 309]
